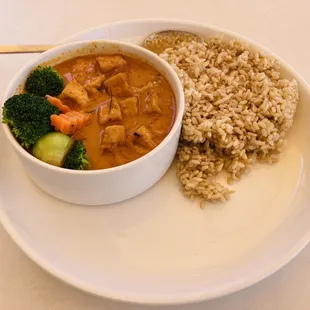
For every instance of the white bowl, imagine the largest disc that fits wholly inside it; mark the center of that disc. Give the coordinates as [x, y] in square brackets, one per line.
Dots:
[97, 187]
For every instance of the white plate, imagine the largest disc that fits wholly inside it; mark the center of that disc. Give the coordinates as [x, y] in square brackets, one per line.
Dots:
[160, 247]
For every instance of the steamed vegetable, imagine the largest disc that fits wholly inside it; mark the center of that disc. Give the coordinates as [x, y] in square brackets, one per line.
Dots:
[70, 122]
[77, 158]
[29, 117]
[44, 81]
[53, 148]
[60, 150]
[57, 103]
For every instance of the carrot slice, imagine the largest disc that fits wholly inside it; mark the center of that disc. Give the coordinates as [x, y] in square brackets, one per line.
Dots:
[73, 122]
[56, 121]
[61, 124]
[57, 103]
[69, 122]
[83, 117]
[78, 118]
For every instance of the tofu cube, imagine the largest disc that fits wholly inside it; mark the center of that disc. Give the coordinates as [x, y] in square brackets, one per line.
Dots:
[92, 85]
[82, 65]
[110, 62]
[118, 85]
[143, 137]
[77, 92]
[161, 126]
[153, 105]
[113, 136]
[82, 69]
[120, 158]
[129, 106]
[111, 113]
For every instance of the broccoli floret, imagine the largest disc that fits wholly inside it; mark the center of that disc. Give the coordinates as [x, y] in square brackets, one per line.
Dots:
[44, 81]
[77, 158]
[29, 117]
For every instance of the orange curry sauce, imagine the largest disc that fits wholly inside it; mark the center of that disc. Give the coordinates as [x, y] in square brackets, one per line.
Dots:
[144, 83]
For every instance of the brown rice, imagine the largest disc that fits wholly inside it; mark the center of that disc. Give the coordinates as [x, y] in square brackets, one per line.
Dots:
[237, 112]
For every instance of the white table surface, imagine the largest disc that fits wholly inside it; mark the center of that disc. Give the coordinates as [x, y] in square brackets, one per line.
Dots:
[283, 26]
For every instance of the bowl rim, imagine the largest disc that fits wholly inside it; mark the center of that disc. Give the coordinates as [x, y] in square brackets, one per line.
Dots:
[75, 46]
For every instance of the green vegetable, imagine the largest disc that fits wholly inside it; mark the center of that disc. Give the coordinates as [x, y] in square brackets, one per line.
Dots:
[62, 151]
[44, 81]
[77, 158]
[53, 148]
[29, 117]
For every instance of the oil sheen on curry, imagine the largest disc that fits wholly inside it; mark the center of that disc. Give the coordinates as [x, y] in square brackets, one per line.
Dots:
[131, 106]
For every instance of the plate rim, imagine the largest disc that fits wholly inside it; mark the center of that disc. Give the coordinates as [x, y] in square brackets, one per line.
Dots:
[223, 290]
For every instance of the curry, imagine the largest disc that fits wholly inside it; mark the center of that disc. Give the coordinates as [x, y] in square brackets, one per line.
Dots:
[130, 106]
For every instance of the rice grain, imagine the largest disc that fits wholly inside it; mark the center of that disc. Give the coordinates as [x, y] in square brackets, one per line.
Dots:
[237, 112]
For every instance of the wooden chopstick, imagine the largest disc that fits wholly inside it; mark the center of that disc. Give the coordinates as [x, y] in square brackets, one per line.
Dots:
[24, 49]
